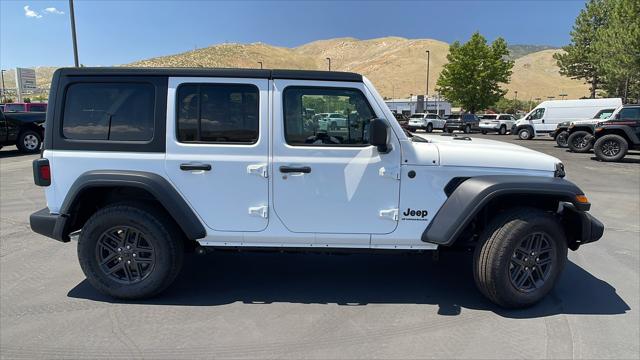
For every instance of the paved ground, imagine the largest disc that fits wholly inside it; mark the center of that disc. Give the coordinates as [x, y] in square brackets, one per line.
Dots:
[319, 306]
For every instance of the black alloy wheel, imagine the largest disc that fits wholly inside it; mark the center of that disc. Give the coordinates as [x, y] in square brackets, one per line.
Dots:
[532, 262]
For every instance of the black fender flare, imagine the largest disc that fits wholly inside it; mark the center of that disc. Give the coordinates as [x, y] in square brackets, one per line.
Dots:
[156, 185]
[616, 129]
[473, 194]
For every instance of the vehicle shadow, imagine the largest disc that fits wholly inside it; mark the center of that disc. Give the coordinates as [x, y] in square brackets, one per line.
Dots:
[354, 280]
[625, 160]
[11, 153]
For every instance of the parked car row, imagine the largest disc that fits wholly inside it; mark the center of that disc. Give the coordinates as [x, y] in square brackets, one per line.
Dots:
[611, 133]
[25, 130]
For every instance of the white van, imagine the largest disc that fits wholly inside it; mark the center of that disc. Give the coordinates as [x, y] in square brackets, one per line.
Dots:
[545, 117]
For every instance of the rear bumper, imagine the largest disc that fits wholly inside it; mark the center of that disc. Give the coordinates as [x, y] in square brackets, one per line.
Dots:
[492, 127]
[49, 225]
[455, 126]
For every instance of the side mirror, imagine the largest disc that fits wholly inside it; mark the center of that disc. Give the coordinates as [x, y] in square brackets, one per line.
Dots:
[617, 117]
[379, 135]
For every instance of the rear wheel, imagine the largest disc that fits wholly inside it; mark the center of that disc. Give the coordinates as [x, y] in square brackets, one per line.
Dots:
[503, 130]
[467, 129]
[611, 148]
[579, 142]
[450, 131]
[429, 127]
[519, 257]
[130, 251]
[561, 139]
[29, 142]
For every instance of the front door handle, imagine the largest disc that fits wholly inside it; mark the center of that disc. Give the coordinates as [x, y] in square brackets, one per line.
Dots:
[195, 167]
[294, 169]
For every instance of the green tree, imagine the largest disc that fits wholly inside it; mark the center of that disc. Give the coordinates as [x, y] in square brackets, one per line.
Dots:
[475, 70]
[618, 47]
[580, 59]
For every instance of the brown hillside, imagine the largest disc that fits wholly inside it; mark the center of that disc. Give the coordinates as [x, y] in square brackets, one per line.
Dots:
[397, 66]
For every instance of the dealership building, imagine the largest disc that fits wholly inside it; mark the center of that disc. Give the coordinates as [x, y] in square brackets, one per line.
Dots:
[418, 104]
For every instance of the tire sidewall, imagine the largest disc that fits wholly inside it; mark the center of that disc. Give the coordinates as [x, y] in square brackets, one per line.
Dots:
[561, 139]
[155, 233]
[524, 134]
[503, 130]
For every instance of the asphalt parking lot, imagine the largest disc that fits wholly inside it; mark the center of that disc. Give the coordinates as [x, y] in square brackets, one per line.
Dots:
[243, 305]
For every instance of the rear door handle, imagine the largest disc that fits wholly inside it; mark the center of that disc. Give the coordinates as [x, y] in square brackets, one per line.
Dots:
[195, 167]
[293, 169]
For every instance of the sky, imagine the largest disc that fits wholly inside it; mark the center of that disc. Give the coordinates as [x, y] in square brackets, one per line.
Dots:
[37, 32]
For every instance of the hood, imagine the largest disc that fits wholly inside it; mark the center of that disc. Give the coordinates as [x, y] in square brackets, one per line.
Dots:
[585, 121]
[455, 151]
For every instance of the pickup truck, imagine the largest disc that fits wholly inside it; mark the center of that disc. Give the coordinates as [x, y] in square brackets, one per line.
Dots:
[25, 130]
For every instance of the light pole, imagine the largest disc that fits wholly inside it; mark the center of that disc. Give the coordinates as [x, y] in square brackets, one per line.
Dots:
[563, 95]
[551, 97]
[426, 94]
[73, 33]
[260, 62]
[329, 59]
[3, 88]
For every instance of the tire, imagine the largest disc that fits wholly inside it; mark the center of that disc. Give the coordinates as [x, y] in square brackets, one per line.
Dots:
[500, 264]
[561, 139]
[157, 241]
[524, 134]
[411, 129]
[467, 129]
[450, 131]
[503, 130]
[429, 127]
[484, 132]
[333, 126]
[611, 148]
[577, 142]
[29, 142]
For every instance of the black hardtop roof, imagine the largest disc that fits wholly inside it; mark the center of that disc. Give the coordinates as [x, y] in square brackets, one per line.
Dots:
[212, 72]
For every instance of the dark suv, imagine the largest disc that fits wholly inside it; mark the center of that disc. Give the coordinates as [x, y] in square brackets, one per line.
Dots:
[462, 122]
[615, 137]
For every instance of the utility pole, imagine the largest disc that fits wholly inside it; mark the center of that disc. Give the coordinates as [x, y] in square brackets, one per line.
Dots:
[4, 89]
[73, 34]
[260, 62]
[329, 59]
[426, 93]
[562, 96]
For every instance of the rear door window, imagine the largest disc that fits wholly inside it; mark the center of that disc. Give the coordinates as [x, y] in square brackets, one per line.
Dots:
[109, 111]
[218, 113]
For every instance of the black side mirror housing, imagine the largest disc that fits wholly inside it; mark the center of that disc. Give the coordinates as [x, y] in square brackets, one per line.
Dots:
[379, 135]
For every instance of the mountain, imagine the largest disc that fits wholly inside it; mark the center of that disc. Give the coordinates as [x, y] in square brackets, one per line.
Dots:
[396, 66]
[518, 50]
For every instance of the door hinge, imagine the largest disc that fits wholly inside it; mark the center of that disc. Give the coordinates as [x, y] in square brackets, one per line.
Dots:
[258, 169]
[393, 172]
[389, 214]
[262, 211]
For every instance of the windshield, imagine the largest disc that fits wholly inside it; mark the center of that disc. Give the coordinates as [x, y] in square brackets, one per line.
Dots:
[453, 117]
[604, 114]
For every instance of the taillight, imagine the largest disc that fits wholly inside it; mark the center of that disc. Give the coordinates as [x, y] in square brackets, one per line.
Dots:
[41, 172]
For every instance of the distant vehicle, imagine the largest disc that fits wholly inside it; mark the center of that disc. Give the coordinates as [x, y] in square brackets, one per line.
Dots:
[579, 131]
[545, 117]
[462, 122]
[23, 129]
[500, 123]
[403, 120]
[336, 121]
[561, 133]
[25, 107]
[426, 122]
[614, 137]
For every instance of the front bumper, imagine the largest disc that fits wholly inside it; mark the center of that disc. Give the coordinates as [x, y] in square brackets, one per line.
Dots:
[586, 228]
[49, 225]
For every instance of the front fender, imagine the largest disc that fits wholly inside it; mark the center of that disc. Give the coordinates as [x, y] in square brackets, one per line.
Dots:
[473, 194]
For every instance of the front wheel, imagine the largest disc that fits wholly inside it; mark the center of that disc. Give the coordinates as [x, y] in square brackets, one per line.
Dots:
[450, 131]
[519, 257]
[561, 139]
[467, 129]
[579, 142]
[29, 142]
[524, 134]
[611, 148]
[130, 251]
[503, 130]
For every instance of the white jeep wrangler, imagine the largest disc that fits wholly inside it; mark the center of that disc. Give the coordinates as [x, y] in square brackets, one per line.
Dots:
[142, 164]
